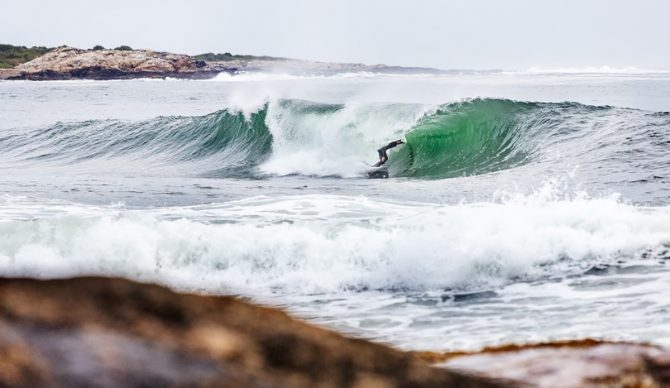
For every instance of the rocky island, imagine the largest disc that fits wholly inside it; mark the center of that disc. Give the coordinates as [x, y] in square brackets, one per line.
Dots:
[64, 63]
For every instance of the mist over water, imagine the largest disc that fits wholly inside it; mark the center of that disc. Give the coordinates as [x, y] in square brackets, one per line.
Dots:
[522, 207]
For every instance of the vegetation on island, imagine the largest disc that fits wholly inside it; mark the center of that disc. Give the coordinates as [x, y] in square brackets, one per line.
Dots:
[11, 56]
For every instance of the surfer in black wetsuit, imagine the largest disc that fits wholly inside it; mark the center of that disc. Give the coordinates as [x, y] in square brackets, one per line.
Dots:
[382, 152]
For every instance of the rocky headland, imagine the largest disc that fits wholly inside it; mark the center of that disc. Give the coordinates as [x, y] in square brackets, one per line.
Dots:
[70, 63]
[64, 63]
[113, 332]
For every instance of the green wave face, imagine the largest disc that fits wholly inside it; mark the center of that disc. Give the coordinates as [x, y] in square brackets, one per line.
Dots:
[236, 143]
[222, 143]
[315, 139]
[466, 138]
[225, 129]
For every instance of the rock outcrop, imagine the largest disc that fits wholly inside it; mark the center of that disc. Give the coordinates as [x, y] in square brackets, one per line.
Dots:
[580, 363]
[71, 63]
[113, 332]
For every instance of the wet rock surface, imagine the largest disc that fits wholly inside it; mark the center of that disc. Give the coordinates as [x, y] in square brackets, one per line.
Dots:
[112, 332]
[583, 363]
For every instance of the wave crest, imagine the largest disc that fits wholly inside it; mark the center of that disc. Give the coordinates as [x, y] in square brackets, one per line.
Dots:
[266, 244]
[287, 137]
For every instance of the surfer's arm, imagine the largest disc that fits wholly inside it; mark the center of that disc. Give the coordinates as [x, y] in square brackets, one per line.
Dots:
[382, 152]
[394, 143]
[389, 146]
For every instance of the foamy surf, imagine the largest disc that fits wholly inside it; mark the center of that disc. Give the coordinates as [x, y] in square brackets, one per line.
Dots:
[322, 244]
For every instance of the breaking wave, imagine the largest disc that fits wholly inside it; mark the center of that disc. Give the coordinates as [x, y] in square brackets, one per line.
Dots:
[287, 137]
[320, 243]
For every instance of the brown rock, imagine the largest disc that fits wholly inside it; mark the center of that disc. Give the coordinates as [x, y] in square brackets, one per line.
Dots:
[584, 363]
[64, 59]
[113, 332]
[68, 62]
[9, 73]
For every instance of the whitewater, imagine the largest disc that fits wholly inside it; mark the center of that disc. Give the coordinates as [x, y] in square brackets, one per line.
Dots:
[524, 206]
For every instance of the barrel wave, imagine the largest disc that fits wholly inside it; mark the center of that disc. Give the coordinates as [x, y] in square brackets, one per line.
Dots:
[468, 138]
[296, 137]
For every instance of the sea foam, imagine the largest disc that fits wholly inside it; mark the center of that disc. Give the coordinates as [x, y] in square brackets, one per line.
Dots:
[321, 243]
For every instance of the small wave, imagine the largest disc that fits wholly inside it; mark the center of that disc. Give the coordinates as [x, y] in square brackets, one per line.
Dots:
[224, 142]
[362, 75]
[256, 77]
[591, 70]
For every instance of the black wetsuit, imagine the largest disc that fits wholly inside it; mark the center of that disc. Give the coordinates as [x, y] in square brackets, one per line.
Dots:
[382, 152]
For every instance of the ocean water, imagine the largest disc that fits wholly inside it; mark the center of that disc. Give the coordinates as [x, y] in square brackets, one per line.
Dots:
[525, 206]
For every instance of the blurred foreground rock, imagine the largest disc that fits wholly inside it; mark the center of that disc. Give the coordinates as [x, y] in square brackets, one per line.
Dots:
[112, 332]
[585, 363]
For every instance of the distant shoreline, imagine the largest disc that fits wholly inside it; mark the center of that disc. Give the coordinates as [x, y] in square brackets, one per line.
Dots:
[69, 63]
[122, 63]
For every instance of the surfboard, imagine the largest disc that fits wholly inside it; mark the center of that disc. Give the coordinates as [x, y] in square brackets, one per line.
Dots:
[378, 173]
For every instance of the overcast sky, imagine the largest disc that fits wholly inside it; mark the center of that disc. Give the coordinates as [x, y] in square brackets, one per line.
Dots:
[476, 34]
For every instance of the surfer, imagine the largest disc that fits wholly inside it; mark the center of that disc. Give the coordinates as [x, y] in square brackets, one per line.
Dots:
[382, 152]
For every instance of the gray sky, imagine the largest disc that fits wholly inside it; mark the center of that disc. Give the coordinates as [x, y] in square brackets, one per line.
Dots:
[476, 34]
